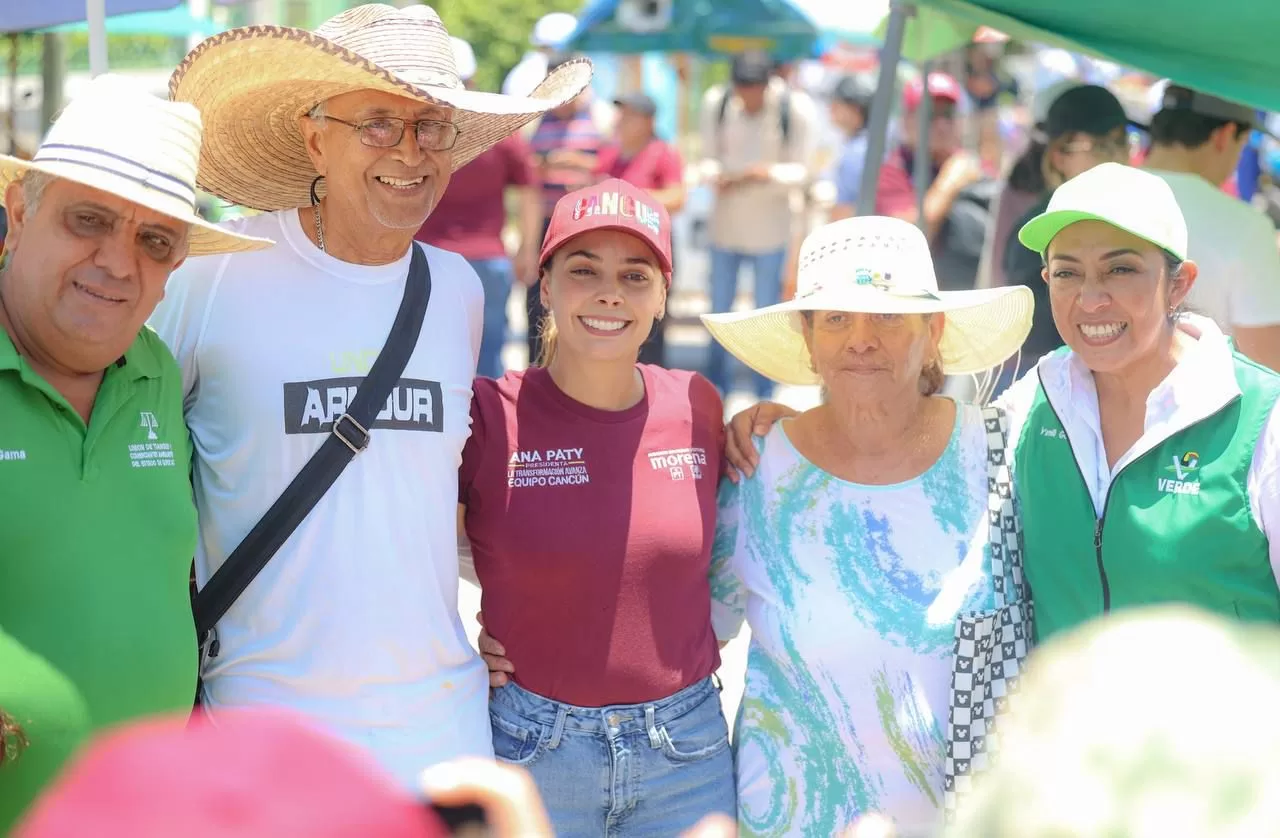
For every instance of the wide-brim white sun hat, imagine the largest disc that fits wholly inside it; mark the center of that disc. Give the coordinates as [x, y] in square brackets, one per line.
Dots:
[254, 83]
[875, 265]
[1130, 199]
[118, 138]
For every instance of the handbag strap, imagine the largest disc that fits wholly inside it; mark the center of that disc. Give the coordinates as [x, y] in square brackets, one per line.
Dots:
[348, 437]
[1004, 525]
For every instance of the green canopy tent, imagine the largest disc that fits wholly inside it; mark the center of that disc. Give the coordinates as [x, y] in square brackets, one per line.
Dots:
[1223, 47]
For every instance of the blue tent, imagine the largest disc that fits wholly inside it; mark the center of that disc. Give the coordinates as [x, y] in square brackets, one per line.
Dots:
[25, 15]
[177, 22]
[709, 28]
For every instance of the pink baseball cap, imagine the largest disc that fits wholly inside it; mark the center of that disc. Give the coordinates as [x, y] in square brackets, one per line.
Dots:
[941, 86]
[247, 775]
[611, 205]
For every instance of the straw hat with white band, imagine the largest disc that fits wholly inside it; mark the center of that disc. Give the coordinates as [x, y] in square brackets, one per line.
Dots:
[119, 138]
[252, 84]
[875, 265]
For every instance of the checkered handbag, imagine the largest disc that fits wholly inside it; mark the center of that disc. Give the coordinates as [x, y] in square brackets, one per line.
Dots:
[991, 646]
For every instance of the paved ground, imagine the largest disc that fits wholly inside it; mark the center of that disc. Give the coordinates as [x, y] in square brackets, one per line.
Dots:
[687, 345]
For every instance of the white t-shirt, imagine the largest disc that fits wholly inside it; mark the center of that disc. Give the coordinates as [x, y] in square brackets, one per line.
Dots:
[354, 622]
[1235, 248]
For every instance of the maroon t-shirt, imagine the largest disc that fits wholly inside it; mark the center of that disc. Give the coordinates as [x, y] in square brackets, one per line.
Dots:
[656, 166]
[471, 213]
[591, 532]
[896, 191]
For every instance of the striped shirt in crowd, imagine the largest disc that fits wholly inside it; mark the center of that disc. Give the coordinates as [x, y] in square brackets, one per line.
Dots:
[575, 133]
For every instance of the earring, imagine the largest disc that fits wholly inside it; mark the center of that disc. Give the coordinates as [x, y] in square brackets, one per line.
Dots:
[315, 199]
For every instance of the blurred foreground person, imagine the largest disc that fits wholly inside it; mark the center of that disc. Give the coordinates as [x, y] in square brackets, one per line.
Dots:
[259, 774]
[1118, 735]
[264, 775]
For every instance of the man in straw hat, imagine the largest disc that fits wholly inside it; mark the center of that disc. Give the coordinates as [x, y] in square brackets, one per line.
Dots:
[97, 527]
[346, 137]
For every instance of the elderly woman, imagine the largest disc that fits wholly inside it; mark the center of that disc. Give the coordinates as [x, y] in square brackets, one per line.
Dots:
[1146, 467]
[1147, 449]
[861, 533]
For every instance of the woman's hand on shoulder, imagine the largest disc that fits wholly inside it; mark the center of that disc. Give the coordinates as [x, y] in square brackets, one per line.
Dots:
[740, 453]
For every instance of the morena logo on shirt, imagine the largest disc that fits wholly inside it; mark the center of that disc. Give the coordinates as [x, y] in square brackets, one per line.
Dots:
[616, 203]
[679, 462]
[311, 406]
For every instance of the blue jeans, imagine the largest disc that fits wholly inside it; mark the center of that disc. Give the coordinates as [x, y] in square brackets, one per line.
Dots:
[495, 276]
[652, 769]
[766, 270]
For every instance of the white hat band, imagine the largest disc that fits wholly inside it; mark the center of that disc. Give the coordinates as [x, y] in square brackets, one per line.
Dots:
[114, 164]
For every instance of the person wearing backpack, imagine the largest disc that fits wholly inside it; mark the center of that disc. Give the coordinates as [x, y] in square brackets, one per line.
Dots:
[755, 147]
[957, 202]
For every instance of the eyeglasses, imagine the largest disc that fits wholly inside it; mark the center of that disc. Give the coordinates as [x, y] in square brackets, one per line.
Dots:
[388, 131]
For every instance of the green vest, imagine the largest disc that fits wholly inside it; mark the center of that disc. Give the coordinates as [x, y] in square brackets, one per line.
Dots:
[1176, 524]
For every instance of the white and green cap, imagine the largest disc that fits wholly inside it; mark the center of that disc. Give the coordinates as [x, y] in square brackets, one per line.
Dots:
[1135, 201]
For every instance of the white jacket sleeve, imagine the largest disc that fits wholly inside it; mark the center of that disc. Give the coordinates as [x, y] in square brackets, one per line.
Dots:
[1264, 486]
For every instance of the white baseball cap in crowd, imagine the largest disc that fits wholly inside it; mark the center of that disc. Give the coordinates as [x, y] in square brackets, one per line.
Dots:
[464, 58]
[1130, 199]
[875, 265]
[552, 30]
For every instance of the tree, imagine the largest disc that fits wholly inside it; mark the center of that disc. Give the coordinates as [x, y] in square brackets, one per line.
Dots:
[498, 31]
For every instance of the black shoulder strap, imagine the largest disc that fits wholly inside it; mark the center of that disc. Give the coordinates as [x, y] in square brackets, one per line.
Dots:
[724, 106]
[348, 437]
[784, 116]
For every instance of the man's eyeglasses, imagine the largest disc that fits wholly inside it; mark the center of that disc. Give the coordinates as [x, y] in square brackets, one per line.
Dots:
[388, 131]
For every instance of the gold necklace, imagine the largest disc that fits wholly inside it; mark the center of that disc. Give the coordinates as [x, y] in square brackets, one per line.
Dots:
[319, 230]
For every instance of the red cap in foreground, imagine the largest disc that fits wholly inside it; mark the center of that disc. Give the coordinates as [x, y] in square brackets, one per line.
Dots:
[249, 775]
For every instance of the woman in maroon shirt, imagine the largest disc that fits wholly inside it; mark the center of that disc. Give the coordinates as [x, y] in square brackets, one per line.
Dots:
[588, 495]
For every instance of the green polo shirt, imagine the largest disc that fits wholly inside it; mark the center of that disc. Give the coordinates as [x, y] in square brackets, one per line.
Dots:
[97, 532]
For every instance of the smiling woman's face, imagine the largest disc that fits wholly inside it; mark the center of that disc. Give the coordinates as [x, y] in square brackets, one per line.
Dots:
[604, 289]
[1111, 294]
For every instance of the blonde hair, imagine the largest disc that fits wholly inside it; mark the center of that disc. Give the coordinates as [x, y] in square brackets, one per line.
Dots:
[549, 335]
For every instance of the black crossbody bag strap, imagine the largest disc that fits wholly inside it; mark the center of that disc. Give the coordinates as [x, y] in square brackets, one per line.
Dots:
[349, 436]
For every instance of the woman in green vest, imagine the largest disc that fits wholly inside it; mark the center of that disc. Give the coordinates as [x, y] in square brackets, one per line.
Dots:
[1147, 462]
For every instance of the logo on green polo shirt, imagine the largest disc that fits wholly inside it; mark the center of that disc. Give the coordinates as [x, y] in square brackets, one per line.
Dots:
[1184, 468]
[150, 422]
[152, 453]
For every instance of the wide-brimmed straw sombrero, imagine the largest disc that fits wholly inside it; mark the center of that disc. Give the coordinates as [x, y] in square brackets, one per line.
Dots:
[119, 138]
[875, 265]
[253, 83]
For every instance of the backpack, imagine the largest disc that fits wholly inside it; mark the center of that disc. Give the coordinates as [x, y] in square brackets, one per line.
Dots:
[784, 112]
[958, 247]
